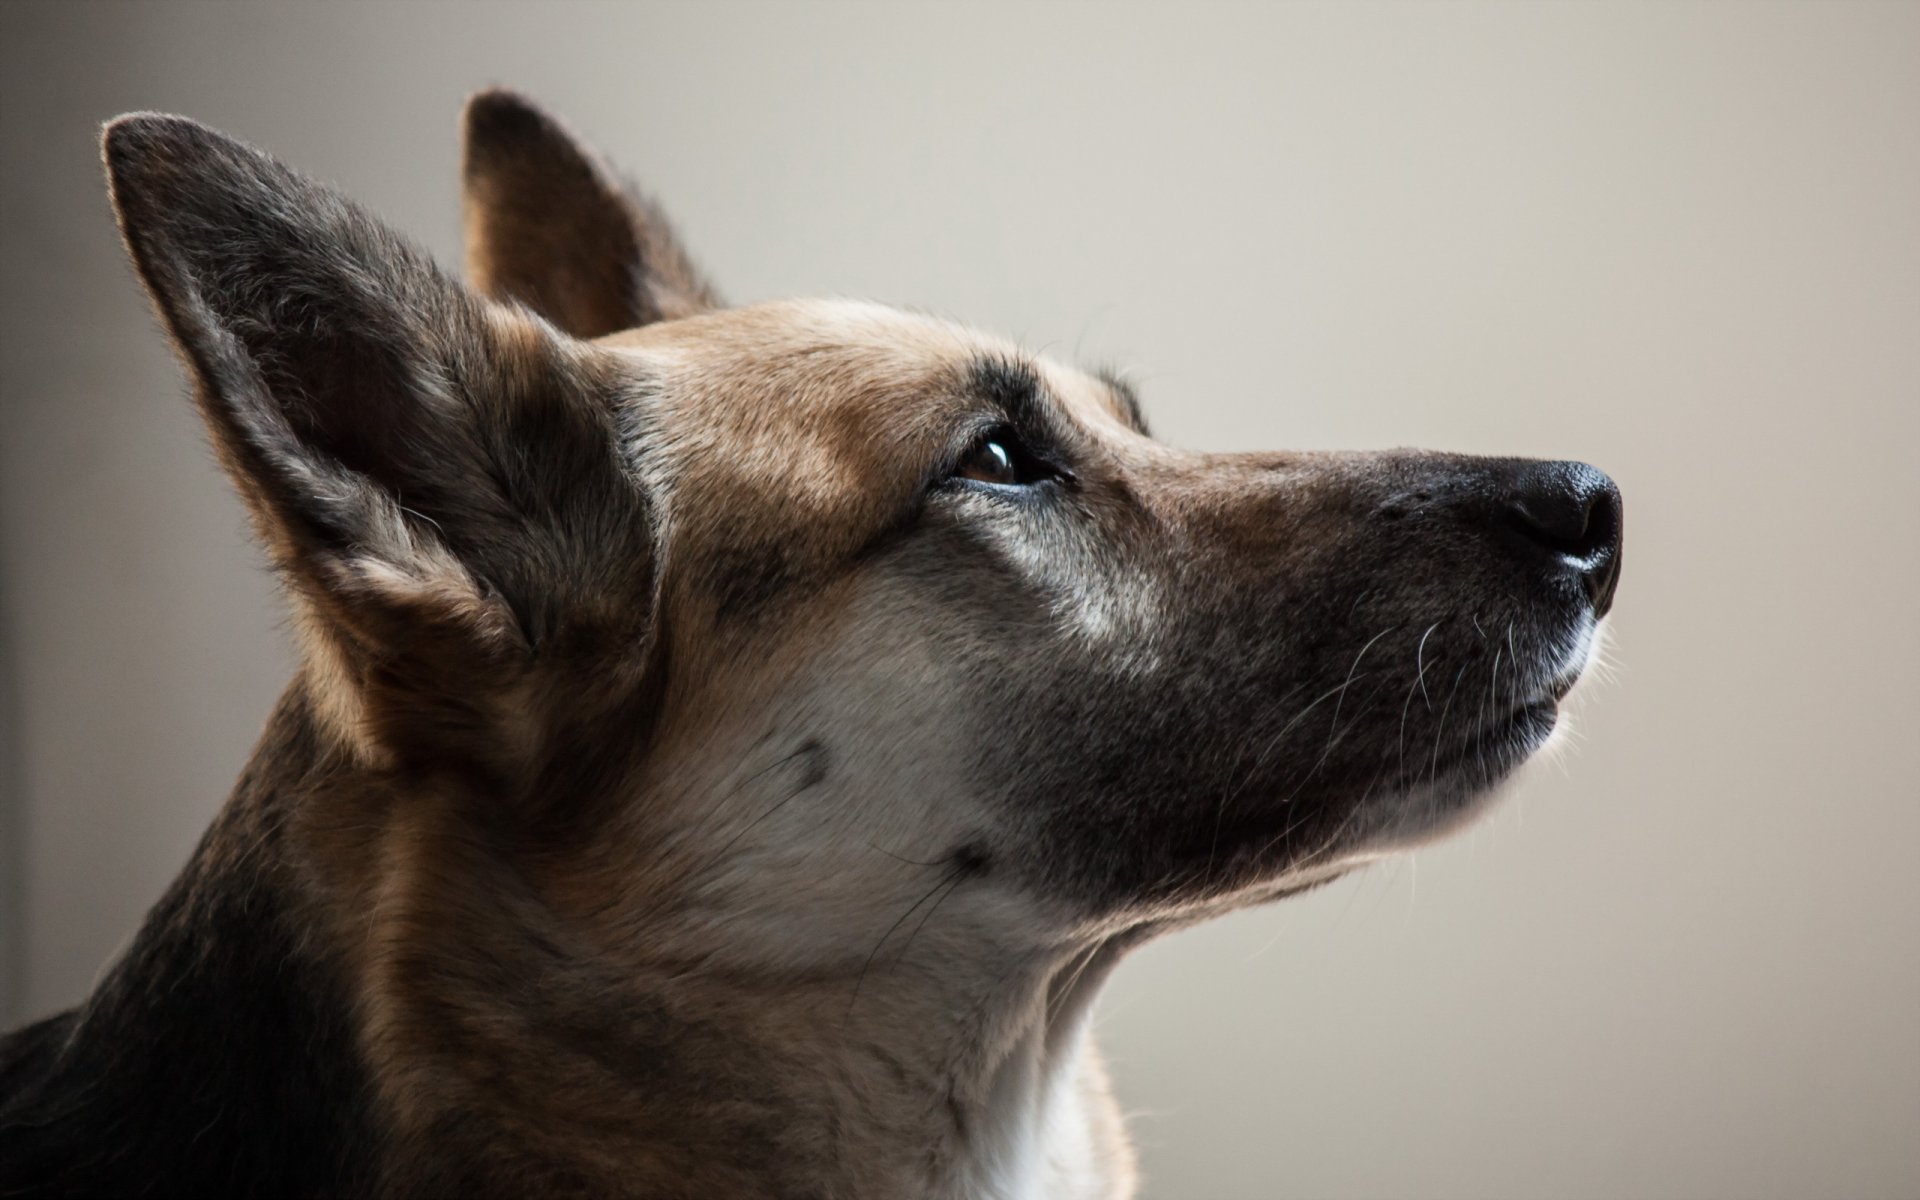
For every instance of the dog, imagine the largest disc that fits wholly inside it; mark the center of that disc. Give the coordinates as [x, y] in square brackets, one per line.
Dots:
[732, 746]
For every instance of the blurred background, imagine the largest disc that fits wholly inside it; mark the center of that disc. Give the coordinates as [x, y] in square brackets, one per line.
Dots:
[1680, 241]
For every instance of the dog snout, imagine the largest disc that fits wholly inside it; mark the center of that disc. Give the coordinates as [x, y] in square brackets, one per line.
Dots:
[1569, 514]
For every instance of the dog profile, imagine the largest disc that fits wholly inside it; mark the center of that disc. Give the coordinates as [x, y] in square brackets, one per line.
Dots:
[731, 747]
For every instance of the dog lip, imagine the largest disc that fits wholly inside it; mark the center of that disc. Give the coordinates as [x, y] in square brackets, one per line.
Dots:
[1510, 738]
[1514, 734]
[1509, 729]
[1545, 710]
[1562, 684]
[1528, 727]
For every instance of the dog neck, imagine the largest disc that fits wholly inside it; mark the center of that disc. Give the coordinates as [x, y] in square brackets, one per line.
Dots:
[743, 1084]
[421, 1036]
[1045, 1122]
[513, 1038]
[998, 1094]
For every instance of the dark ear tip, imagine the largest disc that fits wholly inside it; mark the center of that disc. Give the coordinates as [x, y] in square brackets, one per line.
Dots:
[498, 114]
[143, 151]
[132, 137]
[132, 140]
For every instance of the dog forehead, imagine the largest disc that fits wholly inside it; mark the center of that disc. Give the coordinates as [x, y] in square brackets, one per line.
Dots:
[811, 344]
[847, 370]
[813, 424]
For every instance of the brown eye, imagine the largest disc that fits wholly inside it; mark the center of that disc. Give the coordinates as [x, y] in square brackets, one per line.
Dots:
[998, 458]
[989, 461]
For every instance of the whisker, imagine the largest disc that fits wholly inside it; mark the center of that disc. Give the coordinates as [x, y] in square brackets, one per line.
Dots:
[1433, 771]
[935, 862]
[1491, 697]
[945, 882]
[1059, 995]
[1231, 791]
[953, 886]
[1420, 665]
[1335, 735]
[805, 785]
[1333, 725]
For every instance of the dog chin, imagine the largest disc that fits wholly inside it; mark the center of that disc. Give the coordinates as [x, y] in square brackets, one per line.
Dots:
[1458, 788]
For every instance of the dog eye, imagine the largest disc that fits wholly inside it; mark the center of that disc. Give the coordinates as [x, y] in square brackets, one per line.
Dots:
[999, 458]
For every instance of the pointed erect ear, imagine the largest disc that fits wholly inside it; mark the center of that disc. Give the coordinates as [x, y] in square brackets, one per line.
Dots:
[433, 473]
[550, 225]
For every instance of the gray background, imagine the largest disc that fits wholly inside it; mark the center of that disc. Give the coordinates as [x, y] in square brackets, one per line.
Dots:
[1680, 241]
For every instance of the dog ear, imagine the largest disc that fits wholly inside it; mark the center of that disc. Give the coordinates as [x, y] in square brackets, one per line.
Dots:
[550, 225]
[434, 475]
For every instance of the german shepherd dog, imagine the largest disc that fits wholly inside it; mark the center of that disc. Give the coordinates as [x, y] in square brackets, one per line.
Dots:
[732, 746]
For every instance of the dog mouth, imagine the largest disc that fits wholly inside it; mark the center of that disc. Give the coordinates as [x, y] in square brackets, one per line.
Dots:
[1490, 749]
[1526, 726]
[1469, 754]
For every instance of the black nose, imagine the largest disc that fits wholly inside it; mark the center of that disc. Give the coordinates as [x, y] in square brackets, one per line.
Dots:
[1571, 511]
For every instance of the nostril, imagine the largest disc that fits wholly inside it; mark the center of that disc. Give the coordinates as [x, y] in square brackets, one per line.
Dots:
[1569, 508]
[1573, 511]
[1602, 531]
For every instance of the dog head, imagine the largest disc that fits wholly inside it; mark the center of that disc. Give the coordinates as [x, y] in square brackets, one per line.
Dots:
[814, 617]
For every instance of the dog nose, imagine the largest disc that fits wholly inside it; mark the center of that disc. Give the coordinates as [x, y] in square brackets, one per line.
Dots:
[1571, 512]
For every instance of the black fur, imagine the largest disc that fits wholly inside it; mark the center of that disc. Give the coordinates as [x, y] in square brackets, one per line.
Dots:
[218, 1046]
[1129, 397]
[1014, 388]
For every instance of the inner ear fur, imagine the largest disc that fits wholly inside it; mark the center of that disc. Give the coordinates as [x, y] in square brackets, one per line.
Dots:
[436, 477]
[550, 225]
